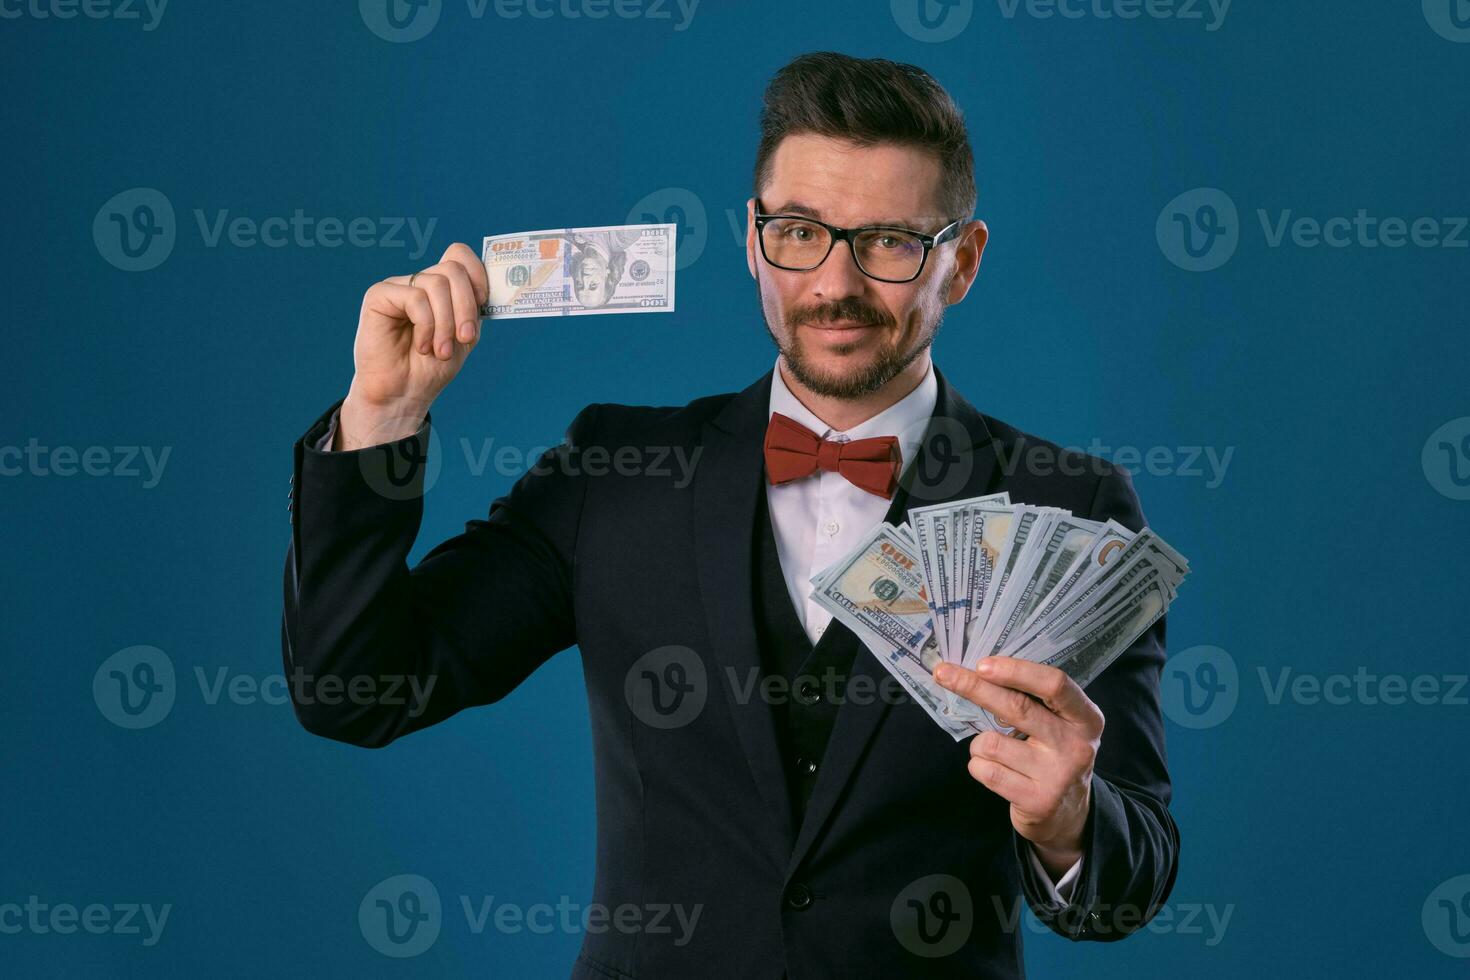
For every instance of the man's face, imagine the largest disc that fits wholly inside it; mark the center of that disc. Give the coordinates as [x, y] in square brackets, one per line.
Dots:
[842, 333]
[590, 279]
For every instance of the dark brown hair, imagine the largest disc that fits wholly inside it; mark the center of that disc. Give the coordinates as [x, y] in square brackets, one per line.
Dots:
[869, 101]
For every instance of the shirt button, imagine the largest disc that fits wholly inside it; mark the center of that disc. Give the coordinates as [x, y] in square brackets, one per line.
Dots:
[821, 629]
[798, 896]
[831, 527]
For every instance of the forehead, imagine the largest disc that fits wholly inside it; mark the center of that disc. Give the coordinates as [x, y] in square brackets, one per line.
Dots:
[851, 184]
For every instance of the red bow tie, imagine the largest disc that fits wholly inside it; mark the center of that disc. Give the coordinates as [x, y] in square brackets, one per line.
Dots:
[794, 451]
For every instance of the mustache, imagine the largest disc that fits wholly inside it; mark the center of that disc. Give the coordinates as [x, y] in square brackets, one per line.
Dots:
[850, 308]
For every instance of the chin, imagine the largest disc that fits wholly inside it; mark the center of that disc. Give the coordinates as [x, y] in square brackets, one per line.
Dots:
[839, 362]
[832, 374]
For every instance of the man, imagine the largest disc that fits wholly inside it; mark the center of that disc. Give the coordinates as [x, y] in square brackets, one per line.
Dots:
[752, 759]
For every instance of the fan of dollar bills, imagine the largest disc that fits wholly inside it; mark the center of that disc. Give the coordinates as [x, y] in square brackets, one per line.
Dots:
[984, 577]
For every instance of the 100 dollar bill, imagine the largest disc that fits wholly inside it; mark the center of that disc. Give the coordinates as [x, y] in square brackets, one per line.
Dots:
[580, 271]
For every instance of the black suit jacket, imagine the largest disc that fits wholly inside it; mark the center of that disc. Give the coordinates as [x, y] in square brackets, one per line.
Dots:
[901, 855]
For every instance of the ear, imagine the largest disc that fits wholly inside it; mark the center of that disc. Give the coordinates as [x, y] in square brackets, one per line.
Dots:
[973, 237]
[750, 245]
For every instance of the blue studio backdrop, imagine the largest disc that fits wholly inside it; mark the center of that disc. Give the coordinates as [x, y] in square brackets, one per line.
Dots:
[1228, 250]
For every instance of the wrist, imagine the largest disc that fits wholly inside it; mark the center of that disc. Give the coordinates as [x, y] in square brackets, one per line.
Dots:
[371, 422]
[1057, 860]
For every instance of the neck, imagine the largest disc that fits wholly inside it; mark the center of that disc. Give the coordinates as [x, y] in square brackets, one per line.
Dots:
[844, 413]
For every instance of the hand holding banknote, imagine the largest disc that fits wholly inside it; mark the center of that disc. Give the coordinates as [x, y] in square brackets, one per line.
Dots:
[994, 616]
[416, 330]
[1047, 777]
[413, 335]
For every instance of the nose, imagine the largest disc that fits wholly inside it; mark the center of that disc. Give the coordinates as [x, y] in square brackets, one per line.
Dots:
[839, 276]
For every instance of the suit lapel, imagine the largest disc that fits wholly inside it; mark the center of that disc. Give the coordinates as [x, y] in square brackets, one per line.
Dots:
[955, 460]
[726, 482]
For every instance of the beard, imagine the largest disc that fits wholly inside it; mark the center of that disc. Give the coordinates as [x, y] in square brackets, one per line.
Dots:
[863, 379]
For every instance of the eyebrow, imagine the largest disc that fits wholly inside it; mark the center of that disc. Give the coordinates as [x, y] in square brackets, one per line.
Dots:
[796, 207]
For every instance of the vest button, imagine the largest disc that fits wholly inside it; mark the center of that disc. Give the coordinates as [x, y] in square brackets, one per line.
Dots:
[809, 692]
[798, 896]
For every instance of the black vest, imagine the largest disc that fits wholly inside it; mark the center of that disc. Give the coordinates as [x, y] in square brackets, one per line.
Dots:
[814, 678]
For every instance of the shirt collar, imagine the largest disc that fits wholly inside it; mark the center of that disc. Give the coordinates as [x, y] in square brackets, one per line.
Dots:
[905, 418]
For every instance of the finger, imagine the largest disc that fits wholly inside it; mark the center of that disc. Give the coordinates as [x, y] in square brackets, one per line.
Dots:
[1055, 689]
[462, 292]
[1022, 756]
[1005, 782]
[462, 255]
[1018, 708]
[397, 301]
[437, 286]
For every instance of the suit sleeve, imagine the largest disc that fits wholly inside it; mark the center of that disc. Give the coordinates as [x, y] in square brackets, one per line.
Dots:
[1131, 849]
[373, 649]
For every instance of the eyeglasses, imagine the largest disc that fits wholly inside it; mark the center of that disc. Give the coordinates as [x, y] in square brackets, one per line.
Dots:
[883, 252]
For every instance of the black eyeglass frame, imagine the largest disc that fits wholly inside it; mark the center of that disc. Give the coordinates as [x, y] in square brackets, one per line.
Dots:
[930, 242]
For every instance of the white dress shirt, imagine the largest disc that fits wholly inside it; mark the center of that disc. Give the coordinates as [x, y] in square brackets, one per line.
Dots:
[818, 519]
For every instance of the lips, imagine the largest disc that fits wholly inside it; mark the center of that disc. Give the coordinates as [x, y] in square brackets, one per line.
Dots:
[840, 326]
